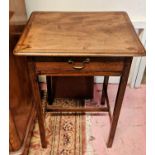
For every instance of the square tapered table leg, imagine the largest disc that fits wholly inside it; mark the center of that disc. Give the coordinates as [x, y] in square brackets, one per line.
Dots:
[119, 100]
[37, 101]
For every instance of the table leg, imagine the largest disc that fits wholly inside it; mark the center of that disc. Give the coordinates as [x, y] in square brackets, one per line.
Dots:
[49, 89]
[104, 90]
[37, 102]
[119, 100]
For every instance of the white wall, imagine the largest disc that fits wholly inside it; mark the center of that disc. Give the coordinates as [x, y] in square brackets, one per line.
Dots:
[135, 8]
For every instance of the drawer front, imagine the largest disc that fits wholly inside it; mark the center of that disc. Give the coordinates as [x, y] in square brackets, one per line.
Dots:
[79, 66]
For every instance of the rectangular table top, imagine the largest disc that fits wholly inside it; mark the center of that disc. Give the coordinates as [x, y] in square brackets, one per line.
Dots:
[79, 34]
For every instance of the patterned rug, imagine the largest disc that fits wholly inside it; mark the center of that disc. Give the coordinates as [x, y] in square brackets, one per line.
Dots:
[129, 139]
[65, 134]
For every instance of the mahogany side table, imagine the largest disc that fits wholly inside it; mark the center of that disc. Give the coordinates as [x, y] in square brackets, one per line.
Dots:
[80, 44]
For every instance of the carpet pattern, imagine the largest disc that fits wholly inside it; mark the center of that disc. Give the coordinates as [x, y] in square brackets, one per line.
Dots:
[130, 138]
[64, 133]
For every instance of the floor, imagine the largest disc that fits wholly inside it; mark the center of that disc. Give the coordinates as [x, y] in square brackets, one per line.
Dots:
[130, 135]
[130, 138]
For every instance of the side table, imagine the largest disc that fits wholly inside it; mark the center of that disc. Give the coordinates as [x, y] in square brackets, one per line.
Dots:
[80, 44]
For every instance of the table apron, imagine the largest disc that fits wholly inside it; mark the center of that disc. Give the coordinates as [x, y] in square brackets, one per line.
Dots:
[92, 68]
[48, 73]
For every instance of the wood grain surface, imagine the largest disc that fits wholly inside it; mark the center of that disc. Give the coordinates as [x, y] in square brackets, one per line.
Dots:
[79, 34]
[96, 66]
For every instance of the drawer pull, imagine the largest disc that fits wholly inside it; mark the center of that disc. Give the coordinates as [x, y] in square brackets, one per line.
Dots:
[78, 66]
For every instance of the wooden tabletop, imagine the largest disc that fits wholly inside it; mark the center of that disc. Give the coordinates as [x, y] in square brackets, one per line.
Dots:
[79, 34]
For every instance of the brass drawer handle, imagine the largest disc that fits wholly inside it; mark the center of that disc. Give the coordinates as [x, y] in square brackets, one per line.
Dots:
[79, 66]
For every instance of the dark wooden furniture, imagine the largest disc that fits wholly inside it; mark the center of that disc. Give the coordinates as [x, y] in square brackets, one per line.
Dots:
[80, 44]
[22, 112]
[71, 87]
[22, 109]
